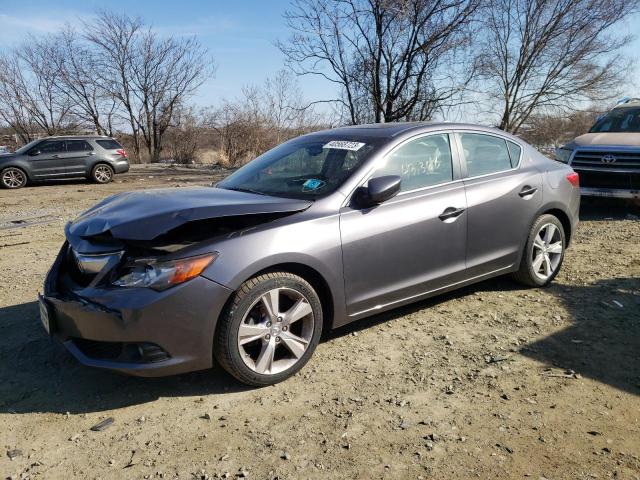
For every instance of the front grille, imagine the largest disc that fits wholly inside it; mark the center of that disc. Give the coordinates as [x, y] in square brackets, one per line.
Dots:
[627, 160]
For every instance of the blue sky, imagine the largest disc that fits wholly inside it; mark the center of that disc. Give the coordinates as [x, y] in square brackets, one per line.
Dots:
[240, 35]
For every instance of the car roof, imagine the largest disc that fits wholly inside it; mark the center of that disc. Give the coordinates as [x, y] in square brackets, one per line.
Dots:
[628, 103]
[77, 137]
[393, 129]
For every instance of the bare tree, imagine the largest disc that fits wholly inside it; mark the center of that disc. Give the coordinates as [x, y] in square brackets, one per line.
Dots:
[182, 135]
[551, 54]
[77, 66]
[149, 75]
[29, 99]
[392, 59]
[262, 118]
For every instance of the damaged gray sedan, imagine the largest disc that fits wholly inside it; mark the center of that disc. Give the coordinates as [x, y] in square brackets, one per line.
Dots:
[322, 230]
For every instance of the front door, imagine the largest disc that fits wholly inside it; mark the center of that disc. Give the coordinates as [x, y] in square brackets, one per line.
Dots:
[414, 243]
[504, 193]
[45, 160]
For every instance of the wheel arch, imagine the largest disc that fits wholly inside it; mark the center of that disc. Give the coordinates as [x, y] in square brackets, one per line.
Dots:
[306, 272]
[564, 220]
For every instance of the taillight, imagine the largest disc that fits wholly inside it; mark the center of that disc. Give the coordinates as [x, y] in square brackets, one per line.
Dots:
[122, 152]
[574, 179]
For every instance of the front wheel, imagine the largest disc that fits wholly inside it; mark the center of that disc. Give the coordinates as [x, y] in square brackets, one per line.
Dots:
[102, 173]
[12, 177]
[270, 329]
[543, 252]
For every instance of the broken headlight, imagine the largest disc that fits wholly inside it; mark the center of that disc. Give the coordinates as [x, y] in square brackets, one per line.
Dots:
[162, 275]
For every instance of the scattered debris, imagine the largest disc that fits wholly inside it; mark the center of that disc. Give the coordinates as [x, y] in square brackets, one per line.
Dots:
[103, 425]
[13, 454]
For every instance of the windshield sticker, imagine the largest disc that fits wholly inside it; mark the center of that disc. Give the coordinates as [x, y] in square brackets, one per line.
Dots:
[344, 145]
[312, 184]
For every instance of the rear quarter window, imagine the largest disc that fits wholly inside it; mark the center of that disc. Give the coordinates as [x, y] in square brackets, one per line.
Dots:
[109, 144]
[514, 153]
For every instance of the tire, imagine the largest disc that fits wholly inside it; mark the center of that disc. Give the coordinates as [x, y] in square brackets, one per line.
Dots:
[272, 346]
[536, 271]
[102, 173]
[13, 178]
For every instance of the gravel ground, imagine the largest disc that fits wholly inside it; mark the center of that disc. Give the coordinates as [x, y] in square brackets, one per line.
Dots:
[492, 381]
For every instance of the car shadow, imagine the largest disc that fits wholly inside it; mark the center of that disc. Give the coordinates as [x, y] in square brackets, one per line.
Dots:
[37, 374]
[603, 340]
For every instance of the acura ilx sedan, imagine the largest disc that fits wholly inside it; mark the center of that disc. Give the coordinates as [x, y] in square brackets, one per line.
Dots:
[325, 229]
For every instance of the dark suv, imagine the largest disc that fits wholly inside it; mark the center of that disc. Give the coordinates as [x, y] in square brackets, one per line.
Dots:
[92, 157]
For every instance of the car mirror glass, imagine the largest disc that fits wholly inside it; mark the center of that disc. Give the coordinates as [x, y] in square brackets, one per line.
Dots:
[34, 153]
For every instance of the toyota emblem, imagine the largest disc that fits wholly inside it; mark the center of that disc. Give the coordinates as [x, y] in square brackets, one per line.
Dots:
[608, 159]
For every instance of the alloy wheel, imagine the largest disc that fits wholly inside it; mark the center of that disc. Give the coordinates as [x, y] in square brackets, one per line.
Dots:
[13, 178]
[547, 251]
[102, 173]
[276, 331]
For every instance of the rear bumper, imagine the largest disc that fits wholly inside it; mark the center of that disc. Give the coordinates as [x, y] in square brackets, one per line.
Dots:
[609, 192]
[121, 166]
[137, 331]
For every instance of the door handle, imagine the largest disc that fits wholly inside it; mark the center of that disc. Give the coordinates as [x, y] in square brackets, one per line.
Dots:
[450, 212]
[527, 190]
[55, 156]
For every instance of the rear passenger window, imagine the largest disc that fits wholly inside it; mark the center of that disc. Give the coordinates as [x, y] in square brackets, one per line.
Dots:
[109, 144]
[514, 153]
[420, 163]
[484, 154]
[78, 146]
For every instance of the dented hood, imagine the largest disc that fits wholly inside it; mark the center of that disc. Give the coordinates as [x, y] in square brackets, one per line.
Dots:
[144, 215]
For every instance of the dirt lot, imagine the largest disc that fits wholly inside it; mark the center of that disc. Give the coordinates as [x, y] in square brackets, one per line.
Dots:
[494, 381]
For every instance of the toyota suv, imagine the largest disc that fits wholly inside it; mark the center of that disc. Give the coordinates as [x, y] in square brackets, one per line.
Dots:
[607, 158]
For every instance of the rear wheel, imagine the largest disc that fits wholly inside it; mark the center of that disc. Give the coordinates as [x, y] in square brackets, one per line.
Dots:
[102, 173]
[270, 329]
[543, 252]
[13, 177]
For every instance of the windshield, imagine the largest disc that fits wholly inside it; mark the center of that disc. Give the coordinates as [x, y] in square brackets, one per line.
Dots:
[26, 147]
[301, 168]
[619, 120]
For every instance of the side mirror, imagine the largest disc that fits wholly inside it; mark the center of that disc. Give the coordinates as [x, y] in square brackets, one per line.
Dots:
[378, 190]
[34, 153]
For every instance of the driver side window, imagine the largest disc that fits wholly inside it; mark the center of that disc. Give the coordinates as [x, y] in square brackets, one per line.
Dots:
[49, 146]
[422, 162]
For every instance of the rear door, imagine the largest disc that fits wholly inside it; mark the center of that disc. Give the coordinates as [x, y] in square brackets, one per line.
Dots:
[504, 193]
[414, 243]
[44, 158]
[74, 160]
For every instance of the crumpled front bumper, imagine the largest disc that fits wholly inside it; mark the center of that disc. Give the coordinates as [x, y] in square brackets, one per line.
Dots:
[137, 331]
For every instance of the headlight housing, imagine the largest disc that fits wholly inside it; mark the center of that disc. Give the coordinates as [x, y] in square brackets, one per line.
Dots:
[163, 275]
[563, 154]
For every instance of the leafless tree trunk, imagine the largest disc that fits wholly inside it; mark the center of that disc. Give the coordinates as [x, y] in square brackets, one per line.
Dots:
[387, 56]
[551, 54]
[147, 74]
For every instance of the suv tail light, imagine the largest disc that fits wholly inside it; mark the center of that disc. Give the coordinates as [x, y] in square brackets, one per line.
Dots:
[574, 179]
[122, 152]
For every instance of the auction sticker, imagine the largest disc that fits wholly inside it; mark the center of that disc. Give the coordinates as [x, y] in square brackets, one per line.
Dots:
[344, 145]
